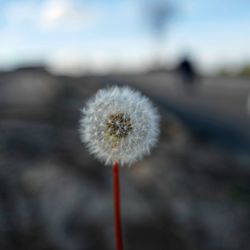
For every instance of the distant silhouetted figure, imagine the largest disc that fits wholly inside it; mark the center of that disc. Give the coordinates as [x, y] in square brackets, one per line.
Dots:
[187, 73]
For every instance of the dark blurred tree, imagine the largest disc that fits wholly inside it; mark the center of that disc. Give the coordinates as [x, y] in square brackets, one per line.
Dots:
[159, 14]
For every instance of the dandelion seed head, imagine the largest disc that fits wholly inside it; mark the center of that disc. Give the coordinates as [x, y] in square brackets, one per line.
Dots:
[119, 124]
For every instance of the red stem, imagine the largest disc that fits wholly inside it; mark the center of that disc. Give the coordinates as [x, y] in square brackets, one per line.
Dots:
[117, 210]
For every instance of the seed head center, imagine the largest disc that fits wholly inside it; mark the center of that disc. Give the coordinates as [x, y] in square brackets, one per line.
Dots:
[119, 125]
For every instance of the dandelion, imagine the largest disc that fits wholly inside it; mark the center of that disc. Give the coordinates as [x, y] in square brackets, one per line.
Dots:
[119, 126]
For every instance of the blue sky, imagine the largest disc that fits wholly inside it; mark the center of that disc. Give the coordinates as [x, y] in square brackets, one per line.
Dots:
[76, 36]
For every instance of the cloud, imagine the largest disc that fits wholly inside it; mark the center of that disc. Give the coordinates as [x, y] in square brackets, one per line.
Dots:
[67, 15]
[61, 15]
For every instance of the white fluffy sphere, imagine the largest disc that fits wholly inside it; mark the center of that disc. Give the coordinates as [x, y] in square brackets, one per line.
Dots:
[119, 124]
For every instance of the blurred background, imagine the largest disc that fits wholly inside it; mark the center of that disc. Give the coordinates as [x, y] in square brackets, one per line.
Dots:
[192, 57]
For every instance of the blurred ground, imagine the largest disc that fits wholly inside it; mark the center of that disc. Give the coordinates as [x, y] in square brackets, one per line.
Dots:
[191, 193]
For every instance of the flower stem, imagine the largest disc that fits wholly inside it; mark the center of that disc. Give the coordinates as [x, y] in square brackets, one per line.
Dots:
[117, 210]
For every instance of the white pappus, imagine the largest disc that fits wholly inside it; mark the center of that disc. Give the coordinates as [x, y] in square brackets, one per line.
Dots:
[119, 124]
